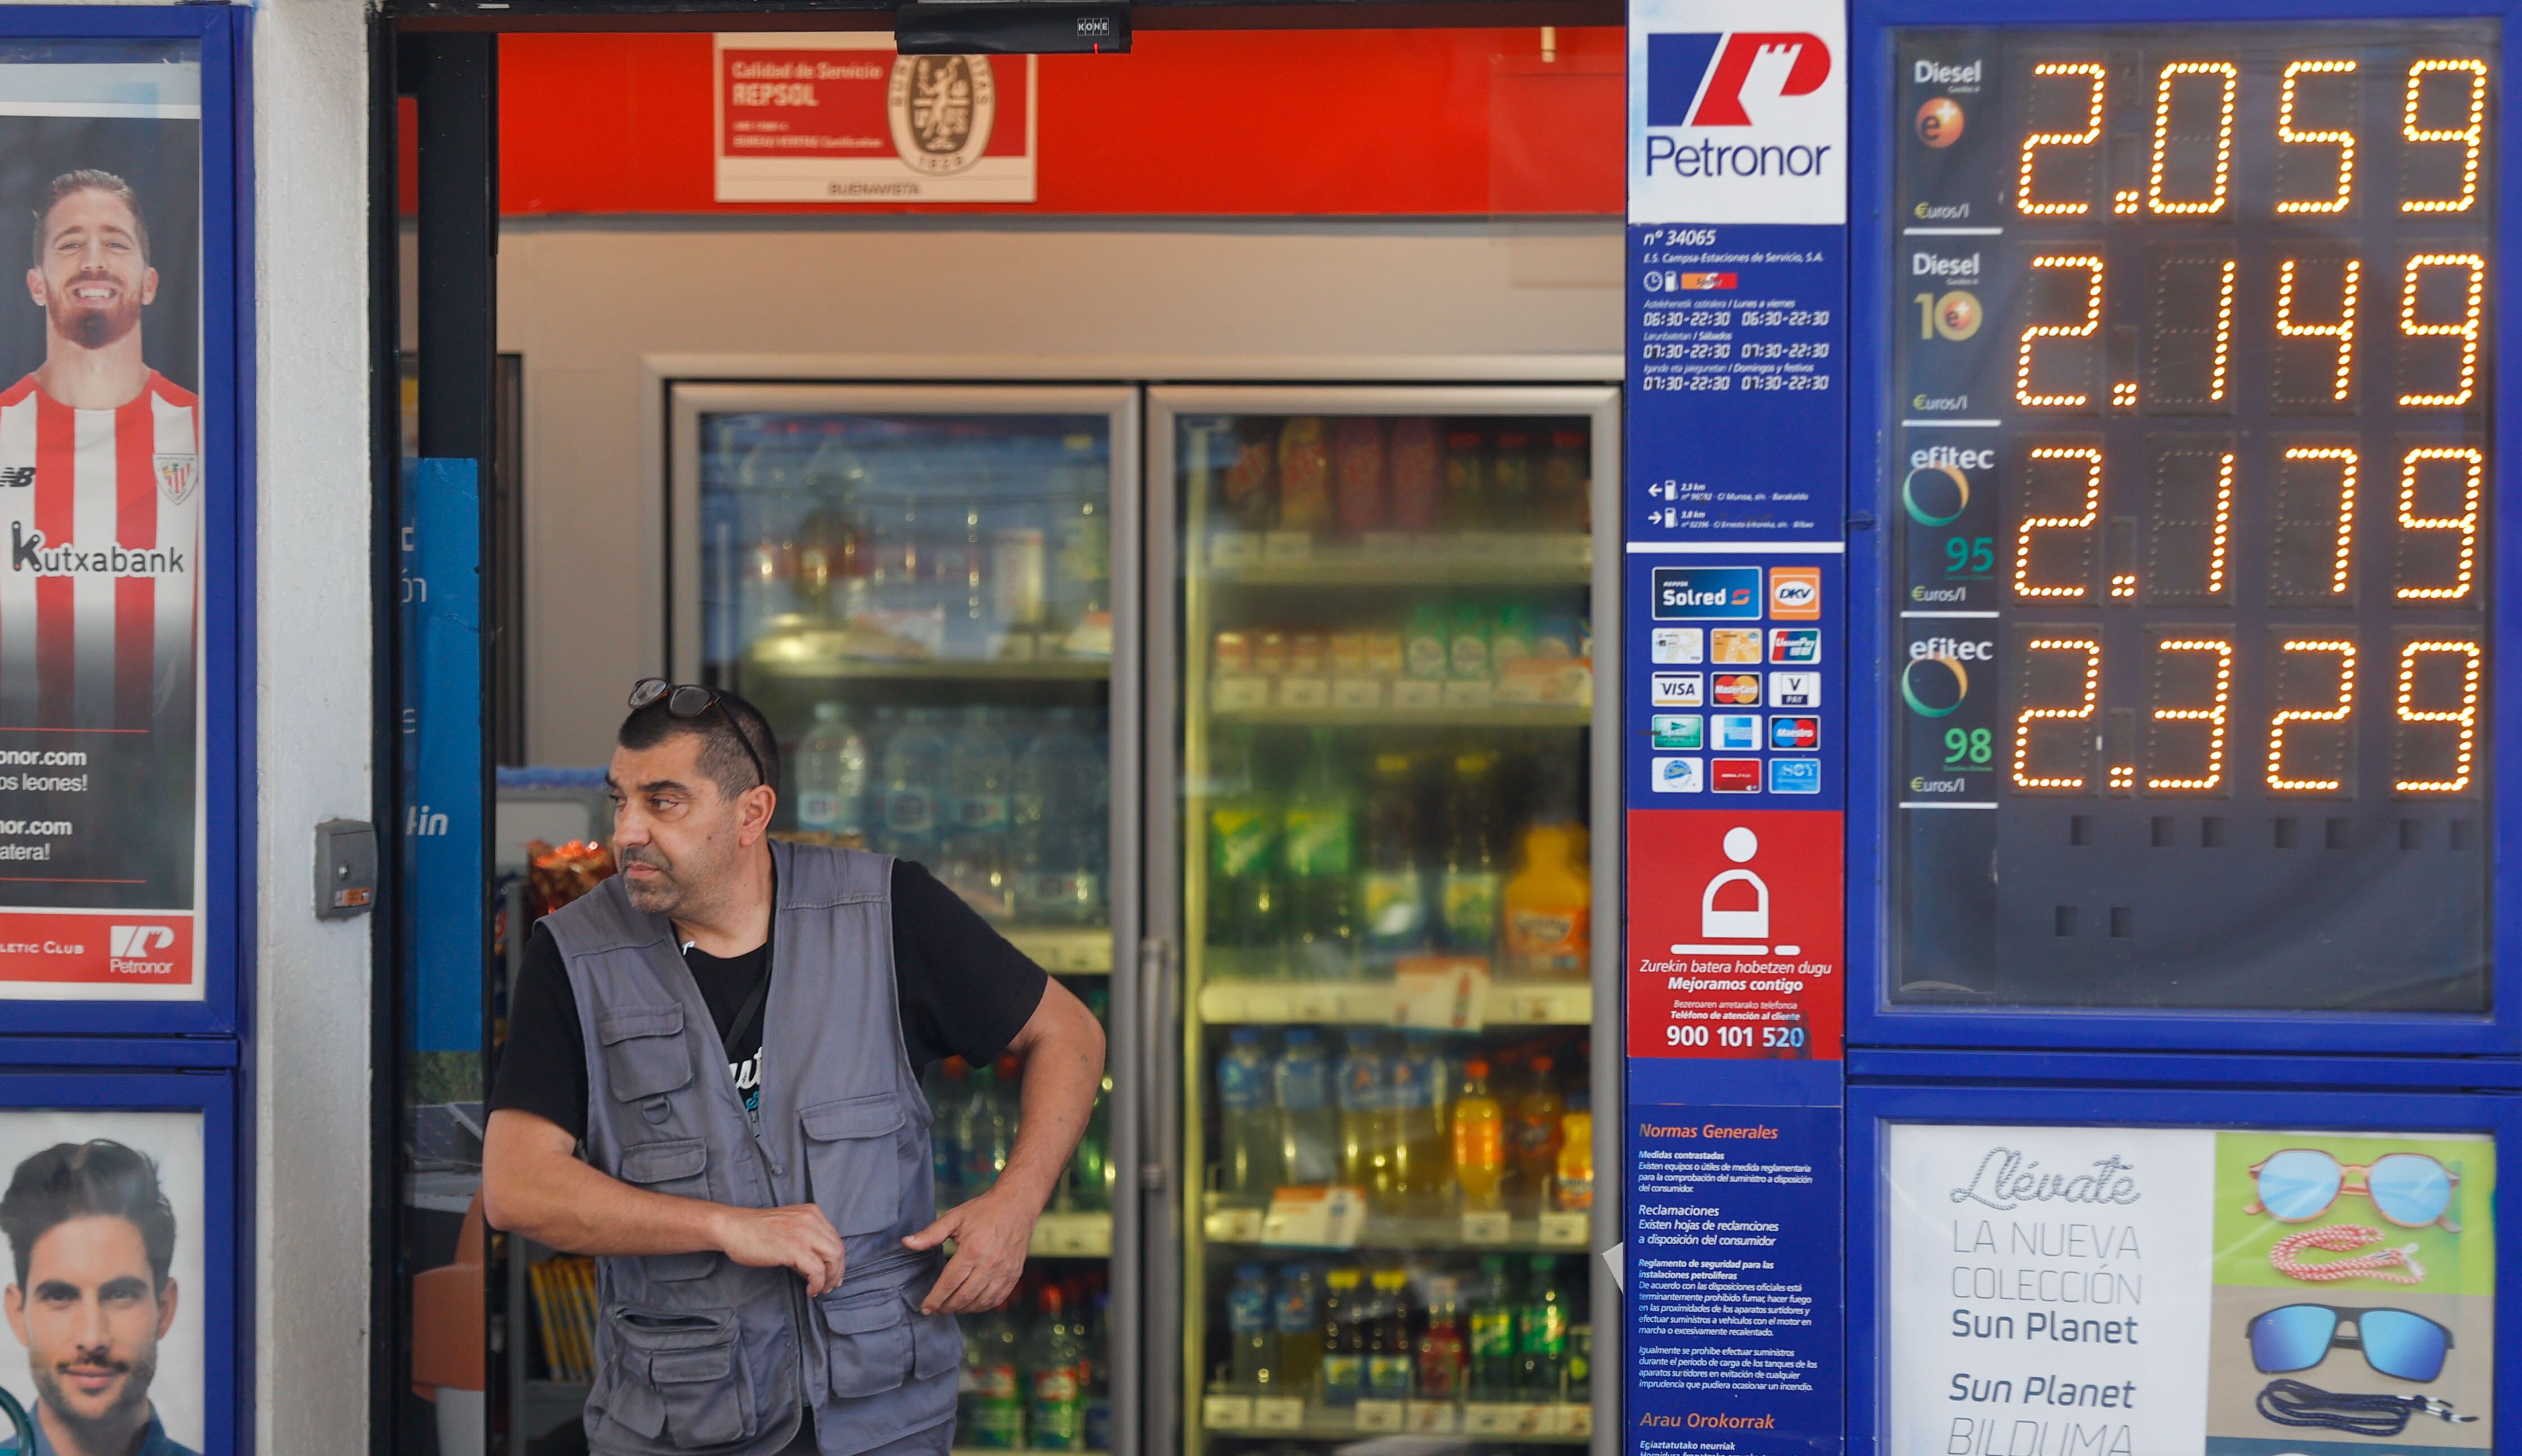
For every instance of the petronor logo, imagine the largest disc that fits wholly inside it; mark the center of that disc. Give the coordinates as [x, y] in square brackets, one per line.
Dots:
[132, 942]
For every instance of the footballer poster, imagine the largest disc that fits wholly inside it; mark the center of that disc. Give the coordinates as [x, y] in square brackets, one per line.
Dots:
[103, 491]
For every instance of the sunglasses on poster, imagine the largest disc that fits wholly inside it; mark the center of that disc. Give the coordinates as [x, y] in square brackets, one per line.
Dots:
[2409, 1189]
[2395, 1342]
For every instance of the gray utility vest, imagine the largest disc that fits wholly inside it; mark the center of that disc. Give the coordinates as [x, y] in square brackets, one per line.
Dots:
[693, 1352]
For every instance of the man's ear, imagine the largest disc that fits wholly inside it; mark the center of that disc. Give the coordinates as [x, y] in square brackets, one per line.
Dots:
[754, 812]
[166, 1309]
[35, 286]
[147, 288]
[15, 1301]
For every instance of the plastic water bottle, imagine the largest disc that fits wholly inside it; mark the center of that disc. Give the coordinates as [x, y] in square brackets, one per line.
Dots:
[914, 764]
[831, 774]
[1298, 1315]
[1423, 1169]
[1056, 800]
[992, 1396]
[989, 1131]
[1055, 1375]
[1249, 1131]
[1251, 1331]
[947, 1086]
[1308, 1129]
[975, 861]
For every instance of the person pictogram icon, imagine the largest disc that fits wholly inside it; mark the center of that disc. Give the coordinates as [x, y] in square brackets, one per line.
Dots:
[1735, 928]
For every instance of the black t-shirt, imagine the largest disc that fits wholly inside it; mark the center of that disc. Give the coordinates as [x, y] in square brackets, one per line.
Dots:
[961, 988]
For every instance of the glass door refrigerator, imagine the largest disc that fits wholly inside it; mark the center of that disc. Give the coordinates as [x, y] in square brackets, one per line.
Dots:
[1373, 684]
[933, 594]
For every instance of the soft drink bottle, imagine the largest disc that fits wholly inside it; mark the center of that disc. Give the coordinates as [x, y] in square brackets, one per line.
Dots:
[1469, 884]
[1309, 1136]
[1388, 1352]
[947, 1087]
[974, 864]
[1056, 1376]
[1541, 1333]
[1465, 505]
[1090, 1167]
[1440, 1351]
[1343, 1344]
[1532, 1135]
[831, 774]
[1298, 1316]
[914, 764]
[1391, 888]
[1247, 898]
[1421, 1168]
[994, 1393]
[1081, 533]
[1251, 1333]
[1574, 1191]
[1493, 1358]
[1365, 1118]
[1251, 1162]
[1099, 1382]
[1550, 906]
[1580, 1364]
[1320, 851]
[1480, 1141]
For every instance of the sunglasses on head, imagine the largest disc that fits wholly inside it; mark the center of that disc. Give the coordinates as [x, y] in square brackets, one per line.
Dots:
[690, 700]
[2409, 1189]
[2396, 1344]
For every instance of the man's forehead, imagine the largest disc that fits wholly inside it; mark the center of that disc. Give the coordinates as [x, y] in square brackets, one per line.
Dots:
[677, 761]
[88, 1249]
[82, 209]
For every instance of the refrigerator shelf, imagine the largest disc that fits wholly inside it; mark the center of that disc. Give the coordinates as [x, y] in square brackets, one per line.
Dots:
[1495, 560]
[1555, 1424]
[1510, 716]
[1058, 1235]
[812, 666]
[1240, 1226]
[1505, 1003]
[1064, 950]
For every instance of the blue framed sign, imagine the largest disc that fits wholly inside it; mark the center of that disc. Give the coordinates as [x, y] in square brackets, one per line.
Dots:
[126, 850]
[2120, 1269]
[120, 1199]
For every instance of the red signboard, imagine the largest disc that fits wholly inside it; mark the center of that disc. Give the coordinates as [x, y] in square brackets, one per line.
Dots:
[1735, 934]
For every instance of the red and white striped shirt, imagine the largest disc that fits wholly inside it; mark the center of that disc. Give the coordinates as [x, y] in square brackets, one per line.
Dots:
[100, 556]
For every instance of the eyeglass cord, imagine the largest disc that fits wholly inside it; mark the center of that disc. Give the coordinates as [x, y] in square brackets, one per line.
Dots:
[2291, 1403]
[2386, 1264]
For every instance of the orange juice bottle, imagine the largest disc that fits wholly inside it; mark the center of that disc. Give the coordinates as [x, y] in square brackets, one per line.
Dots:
[1480, 1141]
[1550, 906]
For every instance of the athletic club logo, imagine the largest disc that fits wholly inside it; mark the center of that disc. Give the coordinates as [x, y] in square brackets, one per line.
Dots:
[941, 108]
[179, 476]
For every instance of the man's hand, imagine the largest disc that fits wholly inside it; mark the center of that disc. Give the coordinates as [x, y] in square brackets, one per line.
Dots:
[797, 1237]
[991, 1235]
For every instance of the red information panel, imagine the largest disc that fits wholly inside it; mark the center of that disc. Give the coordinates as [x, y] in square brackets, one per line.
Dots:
[64, 954]
[1735, 934]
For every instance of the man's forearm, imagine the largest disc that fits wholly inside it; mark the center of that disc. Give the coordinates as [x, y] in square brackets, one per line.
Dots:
[1062, 1074]
[563, 1202]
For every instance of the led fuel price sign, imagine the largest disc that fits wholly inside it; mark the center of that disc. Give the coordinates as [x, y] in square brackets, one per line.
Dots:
[2193, 468]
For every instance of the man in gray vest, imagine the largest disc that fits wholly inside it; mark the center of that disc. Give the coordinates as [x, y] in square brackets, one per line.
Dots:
[747, 1155]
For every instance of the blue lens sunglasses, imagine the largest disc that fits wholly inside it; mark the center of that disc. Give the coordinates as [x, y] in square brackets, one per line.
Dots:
[2396, 1343]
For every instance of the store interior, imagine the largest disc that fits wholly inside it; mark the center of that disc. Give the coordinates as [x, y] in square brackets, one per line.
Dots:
[1196, 565]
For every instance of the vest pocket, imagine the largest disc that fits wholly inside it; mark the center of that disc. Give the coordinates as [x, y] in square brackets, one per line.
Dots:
[675, 1377]
[645, 1055]
[681, 1169]
[852, 1168]
[867, 1341]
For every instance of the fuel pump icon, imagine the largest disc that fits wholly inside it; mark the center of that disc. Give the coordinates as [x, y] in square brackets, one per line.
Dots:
[1738, 929]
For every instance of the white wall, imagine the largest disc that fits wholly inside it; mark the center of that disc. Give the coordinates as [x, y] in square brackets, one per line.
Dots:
[603, 313]
[311, 1110]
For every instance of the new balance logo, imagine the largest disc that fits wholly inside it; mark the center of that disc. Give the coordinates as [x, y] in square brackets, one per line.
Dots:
[1704, 79]
[130, 942]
